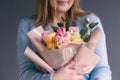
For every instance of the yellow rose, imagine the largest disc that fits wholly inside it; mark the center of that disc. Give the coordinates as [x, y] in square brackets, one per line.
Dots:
[51, 44]
[48, 37]
[48, 40]
[75, 38]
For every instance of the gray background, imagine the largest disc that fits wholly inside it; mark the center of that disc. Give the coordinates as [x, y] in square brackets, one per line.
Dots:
[11, 11]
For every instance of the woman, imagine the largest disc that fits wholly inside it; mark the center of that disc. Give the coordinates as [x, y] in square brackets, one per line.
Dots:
[49, 13]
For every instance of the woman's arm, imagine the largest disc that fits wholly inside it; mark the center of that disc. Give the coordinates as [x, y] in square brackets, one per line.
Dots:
[27, 70]
[102, 70]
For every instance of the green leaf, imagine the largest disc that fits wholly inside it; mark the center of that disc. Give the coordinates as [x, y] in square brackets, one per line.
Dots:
[87, 39]
[67, 24]
[60, 24]
[82, 32]
[55, 28]
[92, 25]
[86, 21]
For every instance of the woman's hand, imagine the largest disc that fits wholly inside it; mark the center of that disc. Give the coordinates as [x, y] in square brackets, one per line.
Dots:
[69, 73]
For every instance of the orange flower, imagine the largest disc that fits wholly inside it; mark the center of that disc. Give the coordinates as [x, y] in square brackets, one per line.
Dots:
[49, 39]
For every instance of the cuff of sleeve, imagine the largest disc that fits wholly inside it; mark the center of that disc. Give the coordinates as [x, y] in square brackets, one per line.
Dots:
[52, 73]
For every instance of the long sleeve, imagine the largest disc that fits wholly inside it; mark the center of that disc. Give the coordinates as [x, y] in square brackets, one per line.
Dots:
[102, 70]
[27, 69]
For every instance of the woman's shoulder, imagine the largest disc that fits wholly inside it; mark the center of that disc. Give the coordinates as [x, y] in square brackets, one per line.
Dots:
[90, 17]
[26, 23]
[26, 20]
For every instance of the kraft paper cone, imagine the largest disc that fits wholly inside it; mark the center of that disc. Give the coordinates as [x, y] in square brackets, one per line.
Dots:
[58, 57]
[37, 60]
[36, 39]
[86, 57]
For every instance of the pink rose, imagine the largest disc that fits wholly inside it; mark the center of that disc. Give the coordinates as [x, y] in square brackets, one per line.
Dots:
[44, 35]
[60, 33]
[62, 37]
[46, 38]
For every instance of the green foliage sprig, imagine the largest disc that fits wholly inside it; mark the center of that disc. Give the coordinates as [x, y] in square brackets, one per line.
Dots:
[83, 31]
[67, 24]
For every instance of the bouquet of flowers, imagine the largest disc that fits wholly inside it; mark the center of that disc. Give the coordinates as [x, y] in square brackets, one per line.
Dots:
[58, 46]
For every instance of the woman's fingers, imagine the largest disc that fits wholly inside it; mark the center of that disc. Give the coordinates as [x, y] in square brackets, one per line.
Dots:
[83, 70]
[71, 63]
[79, 71]
[79, 77]
[86, 69]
